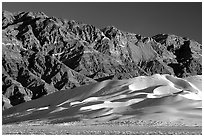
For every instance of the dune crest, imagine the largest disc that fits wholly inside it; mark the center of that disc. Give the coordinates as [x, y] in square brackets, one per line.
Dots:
[158, 97]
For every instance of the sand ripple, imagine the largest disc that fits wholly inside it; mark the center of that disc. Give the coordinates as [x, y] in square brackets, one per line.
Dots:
[157, 97]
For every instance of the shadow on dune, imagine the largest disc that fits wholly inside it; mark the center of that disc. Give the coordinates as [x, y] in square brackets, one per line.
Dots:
[111, 100]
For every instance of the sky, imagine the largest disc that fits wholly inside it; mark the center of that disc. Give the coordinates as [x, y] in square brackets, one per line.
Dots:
[145, 18]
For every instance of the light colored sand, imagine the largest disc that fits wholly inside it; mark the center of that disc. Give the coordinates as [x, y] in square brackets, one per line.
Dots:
[157, 97]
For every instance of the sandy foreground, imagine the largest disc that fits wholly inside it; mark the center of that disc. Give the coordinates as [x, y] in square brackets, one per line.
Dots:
[123, 127]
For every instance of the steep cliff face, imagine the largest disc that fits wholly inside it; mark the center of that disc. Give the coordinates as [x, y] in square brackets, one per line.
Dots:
[42, 54]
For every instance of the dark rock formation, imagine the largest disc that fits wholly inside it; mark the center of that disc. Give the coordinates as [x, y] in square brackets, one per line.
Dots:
[42, 54]
[182, 54]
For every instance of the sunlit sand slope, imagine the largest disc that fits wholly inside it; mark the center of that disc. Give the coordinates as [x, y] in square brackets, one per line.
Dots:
[157, 97]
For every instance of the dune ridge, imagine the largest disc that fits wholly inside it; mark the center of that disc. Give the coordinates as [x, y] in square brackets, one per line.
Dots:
[158, 97]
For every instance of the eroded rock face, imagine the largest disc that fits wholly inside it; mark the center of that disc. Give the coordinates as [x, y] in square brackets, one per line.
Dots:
[185, 55]
[42, 54]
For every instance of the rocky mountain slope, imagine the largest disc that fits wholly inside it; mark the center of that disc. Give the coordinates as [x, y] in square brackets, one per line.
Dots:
[42, 54]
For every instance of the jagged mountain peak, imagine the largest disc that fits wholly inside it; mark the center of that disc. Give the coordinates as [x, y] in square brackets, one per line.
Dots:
[52, 54]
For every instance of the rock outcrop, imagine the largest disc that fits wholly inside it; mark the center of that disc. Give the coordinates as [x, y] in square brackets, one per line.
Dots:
[42, 54]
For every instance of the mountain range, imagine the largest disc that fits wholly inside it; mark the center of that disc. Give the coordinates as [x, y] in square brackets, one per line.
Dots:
[42, 55]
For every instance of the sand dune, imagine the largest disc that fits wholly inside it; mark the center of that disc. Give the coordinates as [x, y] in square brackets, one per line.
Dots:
[157, 97]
